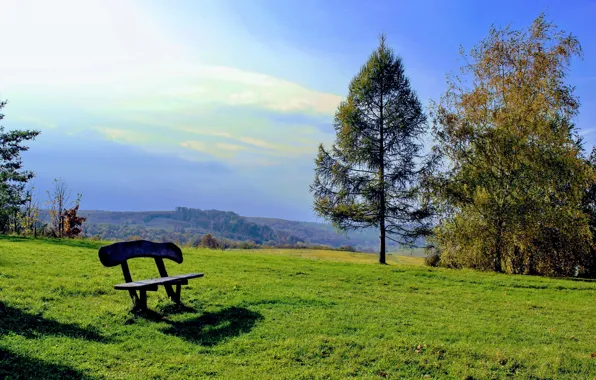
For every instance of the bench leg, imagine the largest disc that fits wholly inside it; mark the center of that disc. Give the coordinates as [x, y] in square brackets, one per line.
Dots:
[133, 296]
[170, 292]
[178, 290]
[142, 301]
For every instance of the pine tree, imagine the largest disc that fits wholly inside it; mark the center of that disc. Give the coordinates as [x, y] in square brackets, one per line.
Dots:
[13, 178]
[371, 175]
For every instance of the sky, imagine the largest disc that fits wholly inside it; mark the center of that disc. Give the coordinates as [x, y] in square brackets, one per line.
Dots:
[221, 104]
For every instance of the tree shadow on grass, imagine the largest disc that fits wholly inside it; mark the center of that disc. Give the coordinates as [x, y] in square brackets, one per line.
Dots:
[13, 366]
[580, 279]
[208, 329]
[34, 325]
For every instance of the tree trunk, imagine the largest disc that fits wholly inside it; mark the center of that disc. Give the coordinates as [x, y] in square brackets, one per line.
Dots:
[382, 259]
[499, 248]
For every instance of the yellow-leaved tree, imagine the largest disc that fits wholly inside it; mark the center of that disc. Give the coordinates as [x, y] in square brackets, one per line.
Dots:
[515, 175]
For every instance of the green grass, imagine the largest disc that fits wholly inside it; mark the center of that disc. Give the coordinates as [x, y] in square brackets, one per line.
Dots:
[287, 314]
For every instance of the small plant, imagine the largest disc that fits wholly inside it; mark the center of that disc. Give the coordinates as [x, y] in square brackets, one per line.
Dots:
[433, 259]
[208, 241]
[72, 222]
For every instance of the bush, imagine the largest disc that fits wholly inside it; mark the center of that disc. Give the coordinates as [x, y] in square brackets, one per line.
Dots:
[249, 244]
[224, 244]
[208, 241]
[194, 242]
[433, 259]
[73, 223]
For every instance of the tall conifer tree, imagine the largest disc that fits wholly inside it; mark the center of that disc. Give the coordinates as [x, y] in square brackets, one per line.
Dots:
[370, 177]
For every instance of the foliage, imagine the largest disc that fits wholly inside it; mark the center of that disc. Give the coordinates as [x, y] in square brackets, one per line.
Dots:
[208, 241]
[515, 175]
[231, 225]
[589, 207]
[64, 220]
[433, 259]
[274, 314]
[72, 222]
[13, 178]
[370, 176]
[30, 215]
[58, 198]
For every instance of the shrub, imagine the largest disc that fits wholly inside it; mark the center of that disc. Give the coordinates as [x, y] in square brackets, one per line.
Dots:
[433, 259]
[208, 241]
[247, 245]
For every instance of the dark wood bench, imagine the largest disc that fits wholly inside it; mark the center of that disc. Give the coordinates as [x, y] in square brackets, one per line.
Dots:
[118, 254]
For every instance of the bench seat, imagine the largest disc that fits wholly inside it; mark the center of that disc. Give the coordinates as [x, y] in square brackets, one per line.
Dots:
[119, 254]
[151, 284]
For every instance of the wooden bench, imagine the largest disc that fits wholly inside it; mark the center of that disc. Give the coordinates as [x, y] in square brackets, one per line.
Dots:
[118, 254]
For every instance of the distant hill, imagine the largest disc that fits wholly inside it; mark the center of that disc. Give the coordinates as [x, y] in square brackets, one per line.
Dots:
[325, 234]
[186, 225]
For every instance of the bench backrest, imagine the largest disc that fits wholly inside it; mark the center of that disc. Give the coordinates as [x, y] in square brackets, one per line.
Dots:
[117, 253]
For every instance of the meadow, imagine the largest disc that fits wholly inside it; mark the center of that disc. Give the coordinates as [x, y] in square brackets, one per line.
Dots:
[291, 314]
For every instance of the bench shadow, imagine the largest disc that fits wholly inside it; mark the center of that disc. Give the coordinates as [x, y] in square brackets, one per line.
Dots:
[212, 328]
[14, 366]
[209, 329]
[159, 315]
[177, 308]
[34, 325]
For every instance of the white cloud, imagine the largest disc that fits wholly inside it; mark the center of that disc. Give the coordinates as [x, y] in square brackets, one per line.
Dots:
[111, 55]
[246, 97]
[113, 61]
[73, 42]
[230, 147]
[37, 121]
[194, 145]
[192, 86]
[219, 150]
[257, 142]
[123, 135]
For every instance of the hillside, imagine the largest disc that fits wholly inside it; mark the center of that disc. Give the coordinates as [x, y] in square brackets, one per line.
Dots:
[186, 225]
[291, 314]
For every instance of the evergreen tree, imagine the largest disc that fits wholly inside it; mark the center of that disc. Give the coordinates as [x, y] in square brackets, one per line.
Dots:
[13, 178]
[370, 177]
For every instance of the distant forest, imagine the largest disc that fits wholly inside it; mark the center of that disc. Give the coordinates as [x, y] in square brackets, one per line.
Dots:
[187, 225]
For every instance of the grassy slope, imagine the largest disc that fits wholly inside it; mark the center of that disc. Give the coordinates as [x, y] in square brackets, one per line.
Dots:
[281, 314]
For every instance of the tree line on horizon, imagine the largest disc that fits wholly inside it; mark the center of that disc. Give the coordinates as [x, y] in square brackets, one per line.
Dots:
[186, 226]
[505, 184]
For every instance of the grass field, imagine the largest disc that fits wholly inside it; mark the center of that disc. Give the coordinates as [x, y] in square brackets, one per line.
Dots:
[287, 314]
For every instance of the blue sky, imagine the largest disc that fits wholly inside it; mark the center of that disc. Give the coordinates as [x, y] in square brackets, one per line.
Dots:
[221, 104]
